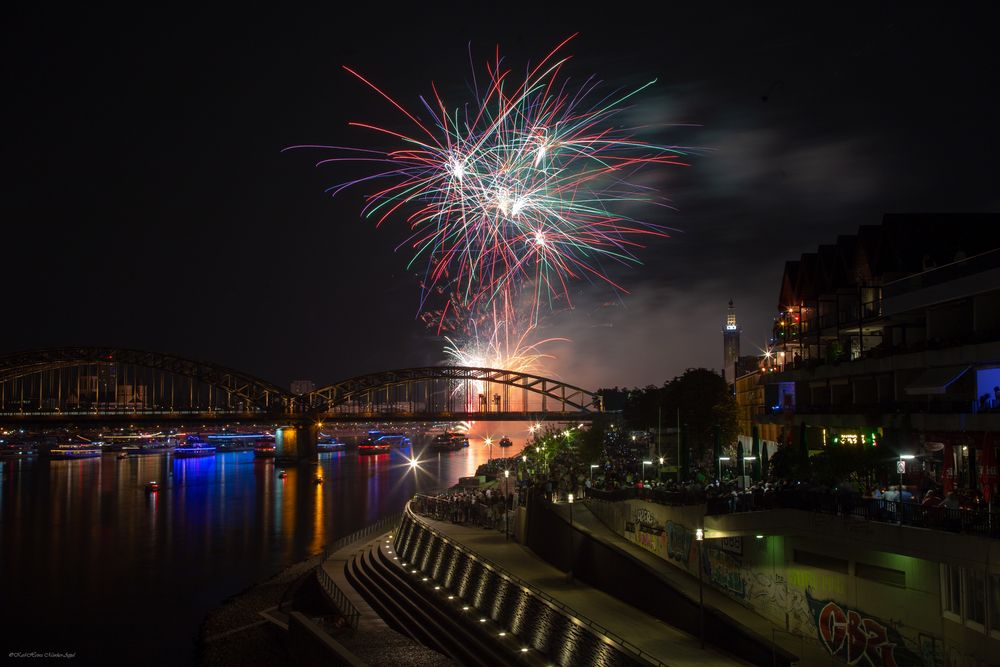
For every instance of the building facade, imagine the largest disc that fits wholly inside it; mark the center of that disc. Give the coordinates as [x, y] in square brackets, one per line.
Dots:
[892, 337]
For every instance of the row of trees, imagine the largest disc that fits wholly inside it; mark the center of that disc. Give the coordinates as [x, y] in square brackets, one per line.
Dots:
[708, 411]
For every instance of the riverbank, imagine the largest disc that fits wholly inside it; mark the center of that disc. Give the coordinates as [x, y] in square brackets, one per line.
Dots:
[236, 634]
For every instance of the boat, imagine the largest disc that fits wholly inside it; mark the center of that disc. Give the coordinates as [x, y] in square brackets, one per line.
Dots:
[141, 450]
[318, 480]
[505, 442]
[264, 451]
[17, 451]
[449, 442]
[235, 442]
[152, 487]
[370, 446]
[194, 450]
[398, 440]
[122, 455]
[73, 452]
[282, 474]
[329, 444]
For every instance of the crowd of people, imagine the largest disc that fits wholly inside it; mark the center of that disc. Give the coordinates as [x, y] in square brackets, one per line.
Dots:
[504, 483]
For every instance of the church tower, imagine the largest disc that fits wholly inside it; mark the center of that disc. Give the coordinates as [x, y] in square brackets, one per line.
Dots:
[731, 344]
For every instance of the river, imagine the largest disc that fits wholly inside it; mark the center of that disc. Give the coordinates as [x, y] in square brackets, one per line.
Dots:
[94, 565]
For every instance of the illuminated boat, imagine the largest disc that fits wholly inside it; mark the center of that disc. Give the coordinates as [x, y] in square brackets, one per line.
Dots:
[194, 450]
[73, 452]
[264, 450]
[370, 446]
[505, 442]
[329, 444]
[152, 487]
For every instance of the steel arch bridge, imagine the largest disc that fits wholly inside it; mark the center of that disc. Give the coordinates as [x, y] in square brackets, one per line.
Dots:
[98, 384]
[89, 381]
[452, 391]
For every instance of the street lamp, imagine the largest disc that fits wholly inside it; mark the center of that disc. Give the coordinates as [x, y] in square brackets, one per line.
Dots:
[489, 443]
[699, 536]
[901, 468]
[506, 508]
[569, 499]
[721, 459]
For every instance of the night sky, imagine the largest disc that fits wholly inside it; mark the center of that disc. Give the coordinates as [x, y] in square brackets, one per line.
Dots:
[147, 203]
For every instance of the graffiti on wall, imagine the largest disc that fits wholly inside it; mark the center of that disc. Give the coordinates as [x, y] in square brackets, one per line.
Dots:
[679, 541]
[650, 541]
[733, 545]
[647, 532]
[645, 517]
[771, 594]
[857, 638]
[724, 570]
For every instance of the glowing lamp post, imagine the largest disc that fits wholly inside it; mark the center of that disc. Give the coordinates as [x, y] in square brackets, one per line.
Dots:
[901, 468]
[489, 443]
[699, 536]
[569, 499]
[721, 459]
[506, 509]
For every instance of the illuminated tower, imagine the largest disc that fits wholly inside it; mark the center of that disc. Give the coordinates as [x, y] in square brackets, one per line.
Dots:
[731, 344]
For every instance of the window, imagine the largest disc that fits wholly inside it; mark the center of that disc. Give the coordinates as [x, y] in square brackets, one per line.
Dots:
[820, 561]
[994, 604]
[882, 575]
[975, 597]
[951, 592]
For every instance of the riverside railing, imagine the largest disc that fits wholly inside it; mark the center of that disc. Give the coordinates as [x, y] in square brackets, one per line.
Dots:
[340, 601]
[347, 610]
[982, 522]
[622, 643]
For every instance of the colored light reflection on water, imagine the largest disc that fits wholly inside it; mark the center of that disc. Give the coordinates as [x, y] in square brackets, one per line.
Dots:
[96, 564]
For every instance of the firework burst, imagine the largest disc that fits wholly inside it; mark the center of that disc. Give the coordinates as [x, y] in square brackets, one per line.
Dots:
[522, 191]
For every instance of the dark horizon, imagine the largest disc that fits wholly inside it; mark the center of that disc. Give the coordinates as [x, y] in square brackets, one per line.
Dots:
[149, 204]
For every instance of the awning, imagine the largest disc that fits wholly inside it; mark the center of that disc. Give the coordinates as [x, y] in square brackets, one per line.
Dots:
[935, 381]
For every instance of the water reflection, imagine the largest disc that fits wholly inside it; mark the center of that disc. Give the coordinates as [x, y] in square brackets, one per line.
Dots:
[97, 565]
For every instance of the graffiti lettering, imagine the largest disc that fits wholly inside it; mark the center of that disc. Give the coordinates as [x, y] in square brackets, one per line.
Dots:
[724, 571]
[858, 639]
[678, 542]
[645, 517]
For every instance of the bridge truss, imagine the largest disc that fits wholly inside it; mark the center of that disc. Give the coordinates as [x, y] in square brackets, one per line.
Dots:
[462, 392]
[86, 381]
[68, 384]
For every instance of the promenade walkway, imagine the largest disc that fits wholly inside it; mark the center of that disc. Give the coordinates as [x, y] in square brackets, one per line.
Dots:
[666, 643]
[809, 651]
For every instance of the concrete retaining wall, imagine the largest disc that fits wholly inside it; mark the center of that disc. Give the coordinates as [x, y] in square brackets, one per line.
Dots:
[537, 623]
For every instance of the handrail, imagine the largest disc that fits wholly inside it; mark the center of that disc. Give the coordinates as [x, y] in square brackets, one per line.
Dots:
[378, 526]
[568, 611]
[337, 596]
[349, 611]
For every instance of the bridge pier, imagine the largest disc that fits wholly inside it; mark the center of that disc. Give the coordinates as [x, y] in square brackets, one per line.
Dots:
[296, 442]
